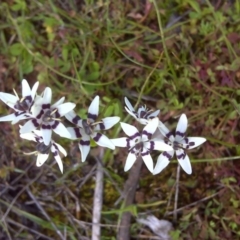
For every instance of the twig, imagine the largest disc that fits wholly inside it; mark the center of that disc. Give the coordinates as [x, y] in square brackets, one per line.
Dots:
[176, 193]
[129, 194]
[192, 204]
[44, 213]
[97, 201]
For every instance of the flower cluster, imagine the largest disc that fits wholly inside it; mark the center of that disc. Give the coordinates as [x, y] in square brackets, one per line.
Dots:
[43, 118]
[156, 136]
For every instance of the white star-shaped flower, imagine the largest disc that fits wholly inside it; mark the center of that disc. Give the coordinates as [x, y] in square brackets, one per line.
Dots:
[140, 143]
[22, 107]
[89, 128]
[179, 142]
[47, 117]
[142, 115]
[43, 151]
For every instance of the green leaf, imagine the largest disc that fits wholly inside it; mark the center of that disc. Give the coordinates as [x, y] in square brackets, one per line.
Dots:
[195, 5]
[16, 49]
[65, 53]
[109, 111]
[93, 76]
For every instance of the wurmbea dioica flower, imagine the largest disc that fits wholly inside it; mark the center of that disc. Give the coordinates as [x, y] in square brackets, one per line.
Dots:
[47, 116]
[89, 128]
[142, 115]
[22, 107]
[42, 150]
[140, 143]
[179, 142]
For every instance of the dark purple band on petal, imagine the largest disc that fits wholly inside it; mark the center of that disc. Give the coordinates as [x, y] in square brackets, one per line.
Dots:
[40, 114]
[35, 123]
[97, 137]
[137, 134]
[167, 155]
[55, 153]
[57, 114]
[181, 156]
[56, 123]
[19, 113]
[76, 119]
[101, 125]
[191, 144]
[168, 135]
[180, 134]
[128, 142]
[77, 132]
[145, 153]
[149, 135]
[92, 116]
[133, 151]
[46, 106]
[152, 144]
[44, 126]
[84, 143]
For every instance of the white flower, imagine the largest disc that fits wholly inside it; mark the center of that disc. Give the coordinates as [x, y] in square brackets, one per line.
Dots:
[89, 128]
[140, 143]
[142, 115]
[179, 142]
[20, 106]
[42, 150]
[47, 116]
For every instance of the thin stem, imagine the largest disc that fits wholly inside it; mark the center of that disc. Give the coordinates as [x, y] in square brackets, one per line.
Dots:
[97, 201]
[176, 192]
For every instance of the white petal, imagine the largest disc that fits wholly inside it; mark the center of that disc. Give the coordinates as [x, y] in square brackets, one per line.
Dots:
[8, 99]
[37, 133]
[60, 101]
[131, 158]
[74, 132]
[47, 135]
[47, 95]
[196, 140]
[162, 146]
[129, 105]
[73, 118]
[41, 159]
[120, 142]
[149, 129]
[154, 114]
[64, 108]
[62, 131]
[26, 90]
[148, 161]
[143, 121]
[84, 147]
[131, 113]
[28, 136]
[57, 157]
[162, 161]
[181, 127]
[59, 162]
[163, 129]
[184, 161]
[102, 140]
[107, 123]
[94, 108]
[28, 127]
[18, 118]
[34, 89]
[7, 118]
[129, 129]
[61, 149]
